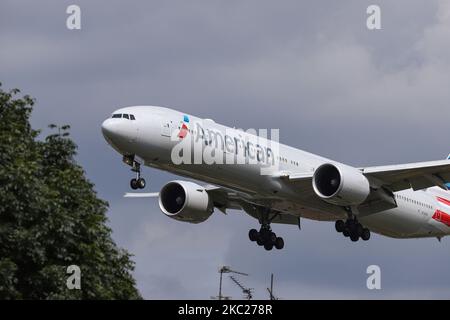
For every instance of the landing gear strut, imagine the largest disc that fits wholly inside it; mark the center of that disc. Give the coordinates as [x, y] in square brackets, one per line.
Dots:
[265, 236]
[138, 182]
[353, 229]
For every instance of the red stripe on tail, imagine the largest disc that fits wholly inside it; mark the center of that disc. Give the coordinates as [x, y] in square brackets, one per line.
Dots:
[441, 216]
[444, 201]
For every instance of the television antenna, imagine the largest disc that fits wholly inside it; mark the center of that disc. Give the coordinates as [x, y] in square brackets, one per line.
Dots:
[246, 291]
[272, 297]
[222, 270]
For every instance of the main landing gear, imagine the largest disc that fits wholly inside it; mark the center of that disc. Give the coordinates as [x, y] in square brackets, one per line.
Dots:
[353, 229]
[138, 182]
[265, 236]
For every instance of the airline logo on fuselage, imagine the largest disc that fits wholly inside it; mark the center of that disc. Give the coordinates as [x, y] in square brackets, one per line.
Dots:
[184, 130]
[209, 143]
[249, 146]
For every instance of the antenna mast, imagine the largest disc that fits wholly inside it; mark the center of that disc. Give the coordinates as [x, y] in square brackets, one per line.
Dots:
[272, 297]
[247, 291]
[222, 270]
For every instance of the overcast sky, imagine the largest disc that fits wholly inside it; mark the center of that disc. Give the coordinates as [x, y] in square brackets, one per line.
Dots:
[310, 68]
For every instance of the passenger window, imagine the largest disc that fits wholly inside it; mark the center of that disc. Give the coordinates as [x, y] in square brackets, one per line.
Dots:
[117, 115]
[132, 117]
[125, 116]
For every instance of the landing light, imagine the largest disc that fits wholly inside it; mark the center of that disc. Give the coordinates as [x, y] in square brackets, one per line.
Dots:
[128, 160]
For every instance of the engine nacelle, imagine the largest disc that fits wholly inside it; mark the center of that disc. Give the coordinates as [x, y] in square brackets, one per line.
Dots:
[185, 201]
[340, 185]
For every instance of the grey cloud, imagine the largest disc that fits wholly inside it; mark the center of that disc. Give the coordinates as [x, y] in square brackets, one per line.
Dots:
[311, 69]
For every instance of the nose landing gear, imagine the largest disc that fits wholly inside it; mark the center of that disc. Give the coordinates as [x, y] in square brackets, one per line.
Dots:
[138, 182]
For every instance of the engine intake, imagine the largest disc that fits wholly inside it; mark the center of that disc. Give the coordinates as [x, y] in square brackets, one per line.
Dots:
[185, 201]
[340, 185]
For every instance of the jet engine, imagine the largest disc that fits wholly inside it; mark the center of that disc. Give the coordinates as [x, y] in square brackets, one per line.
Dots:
[185, 201]
[340, 185]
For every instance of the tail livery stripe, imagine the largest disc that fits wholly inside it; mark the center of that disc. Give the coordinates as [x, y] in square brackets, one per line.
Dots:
[441, 216]
[448, 183]
[444, 201]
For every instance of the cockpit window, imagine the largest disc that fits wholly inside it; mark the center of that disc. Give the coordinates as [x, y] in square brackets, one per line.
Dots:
[124, 115]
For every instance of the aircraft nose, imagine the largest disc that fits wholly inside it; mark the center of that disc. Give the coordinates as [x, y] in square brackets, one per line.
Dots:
[109, 129]
[118, 131]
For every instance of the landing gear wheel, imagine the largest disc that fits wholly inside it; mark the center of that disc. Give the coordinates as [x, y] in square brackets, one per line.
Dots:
[272, 238]
[279, 243]
[340, 226]
[359, 229]
[253, 235]
[259, 240]
[265, 236]
[134, 184]
[138, 182]
[354, 237]
[365, 234]
[353, 228]
[141, 183]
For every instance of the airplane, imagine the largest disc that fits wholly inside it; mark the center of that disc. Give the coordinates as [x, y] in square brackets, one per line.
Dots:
[273, 182]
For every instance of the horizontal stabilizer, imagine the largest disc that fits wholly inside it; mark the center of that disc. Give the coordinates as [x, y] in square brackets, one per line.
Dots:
[141, 195]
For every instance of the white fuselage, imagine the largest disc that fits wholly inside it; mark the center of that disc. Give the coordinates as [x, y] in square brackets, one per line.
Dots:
[155, 133]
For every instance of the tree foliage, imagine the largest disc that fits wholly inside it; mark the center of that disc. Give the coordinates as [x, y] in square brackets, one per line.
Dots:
[51, 217]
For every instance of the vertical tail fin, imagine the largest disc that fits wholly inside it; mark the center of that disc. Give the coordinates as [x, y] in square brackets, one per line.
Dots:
[447, 184]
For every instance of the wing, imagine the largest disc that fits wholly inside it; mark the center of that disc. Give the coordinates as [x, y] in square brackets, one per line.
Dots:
[301, 184]
[384, 180]
[224, 198]
[417, 176]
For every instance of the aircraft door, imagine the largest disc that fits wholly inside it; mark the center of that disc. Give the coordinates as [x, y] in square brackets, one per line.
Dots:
[166, 128]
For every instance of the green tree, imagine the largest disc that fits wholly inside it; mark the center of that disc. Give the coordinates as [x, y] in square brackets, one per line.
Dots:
[51, 217]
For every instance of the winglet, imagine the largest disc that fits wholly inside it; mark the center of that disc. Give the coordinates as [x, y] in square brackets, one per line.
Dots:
[448, 157]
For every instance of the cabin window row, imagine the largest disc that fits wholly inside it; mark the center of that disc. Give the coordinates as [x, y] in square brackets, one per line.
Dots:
[285, 160]
[406, 199]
